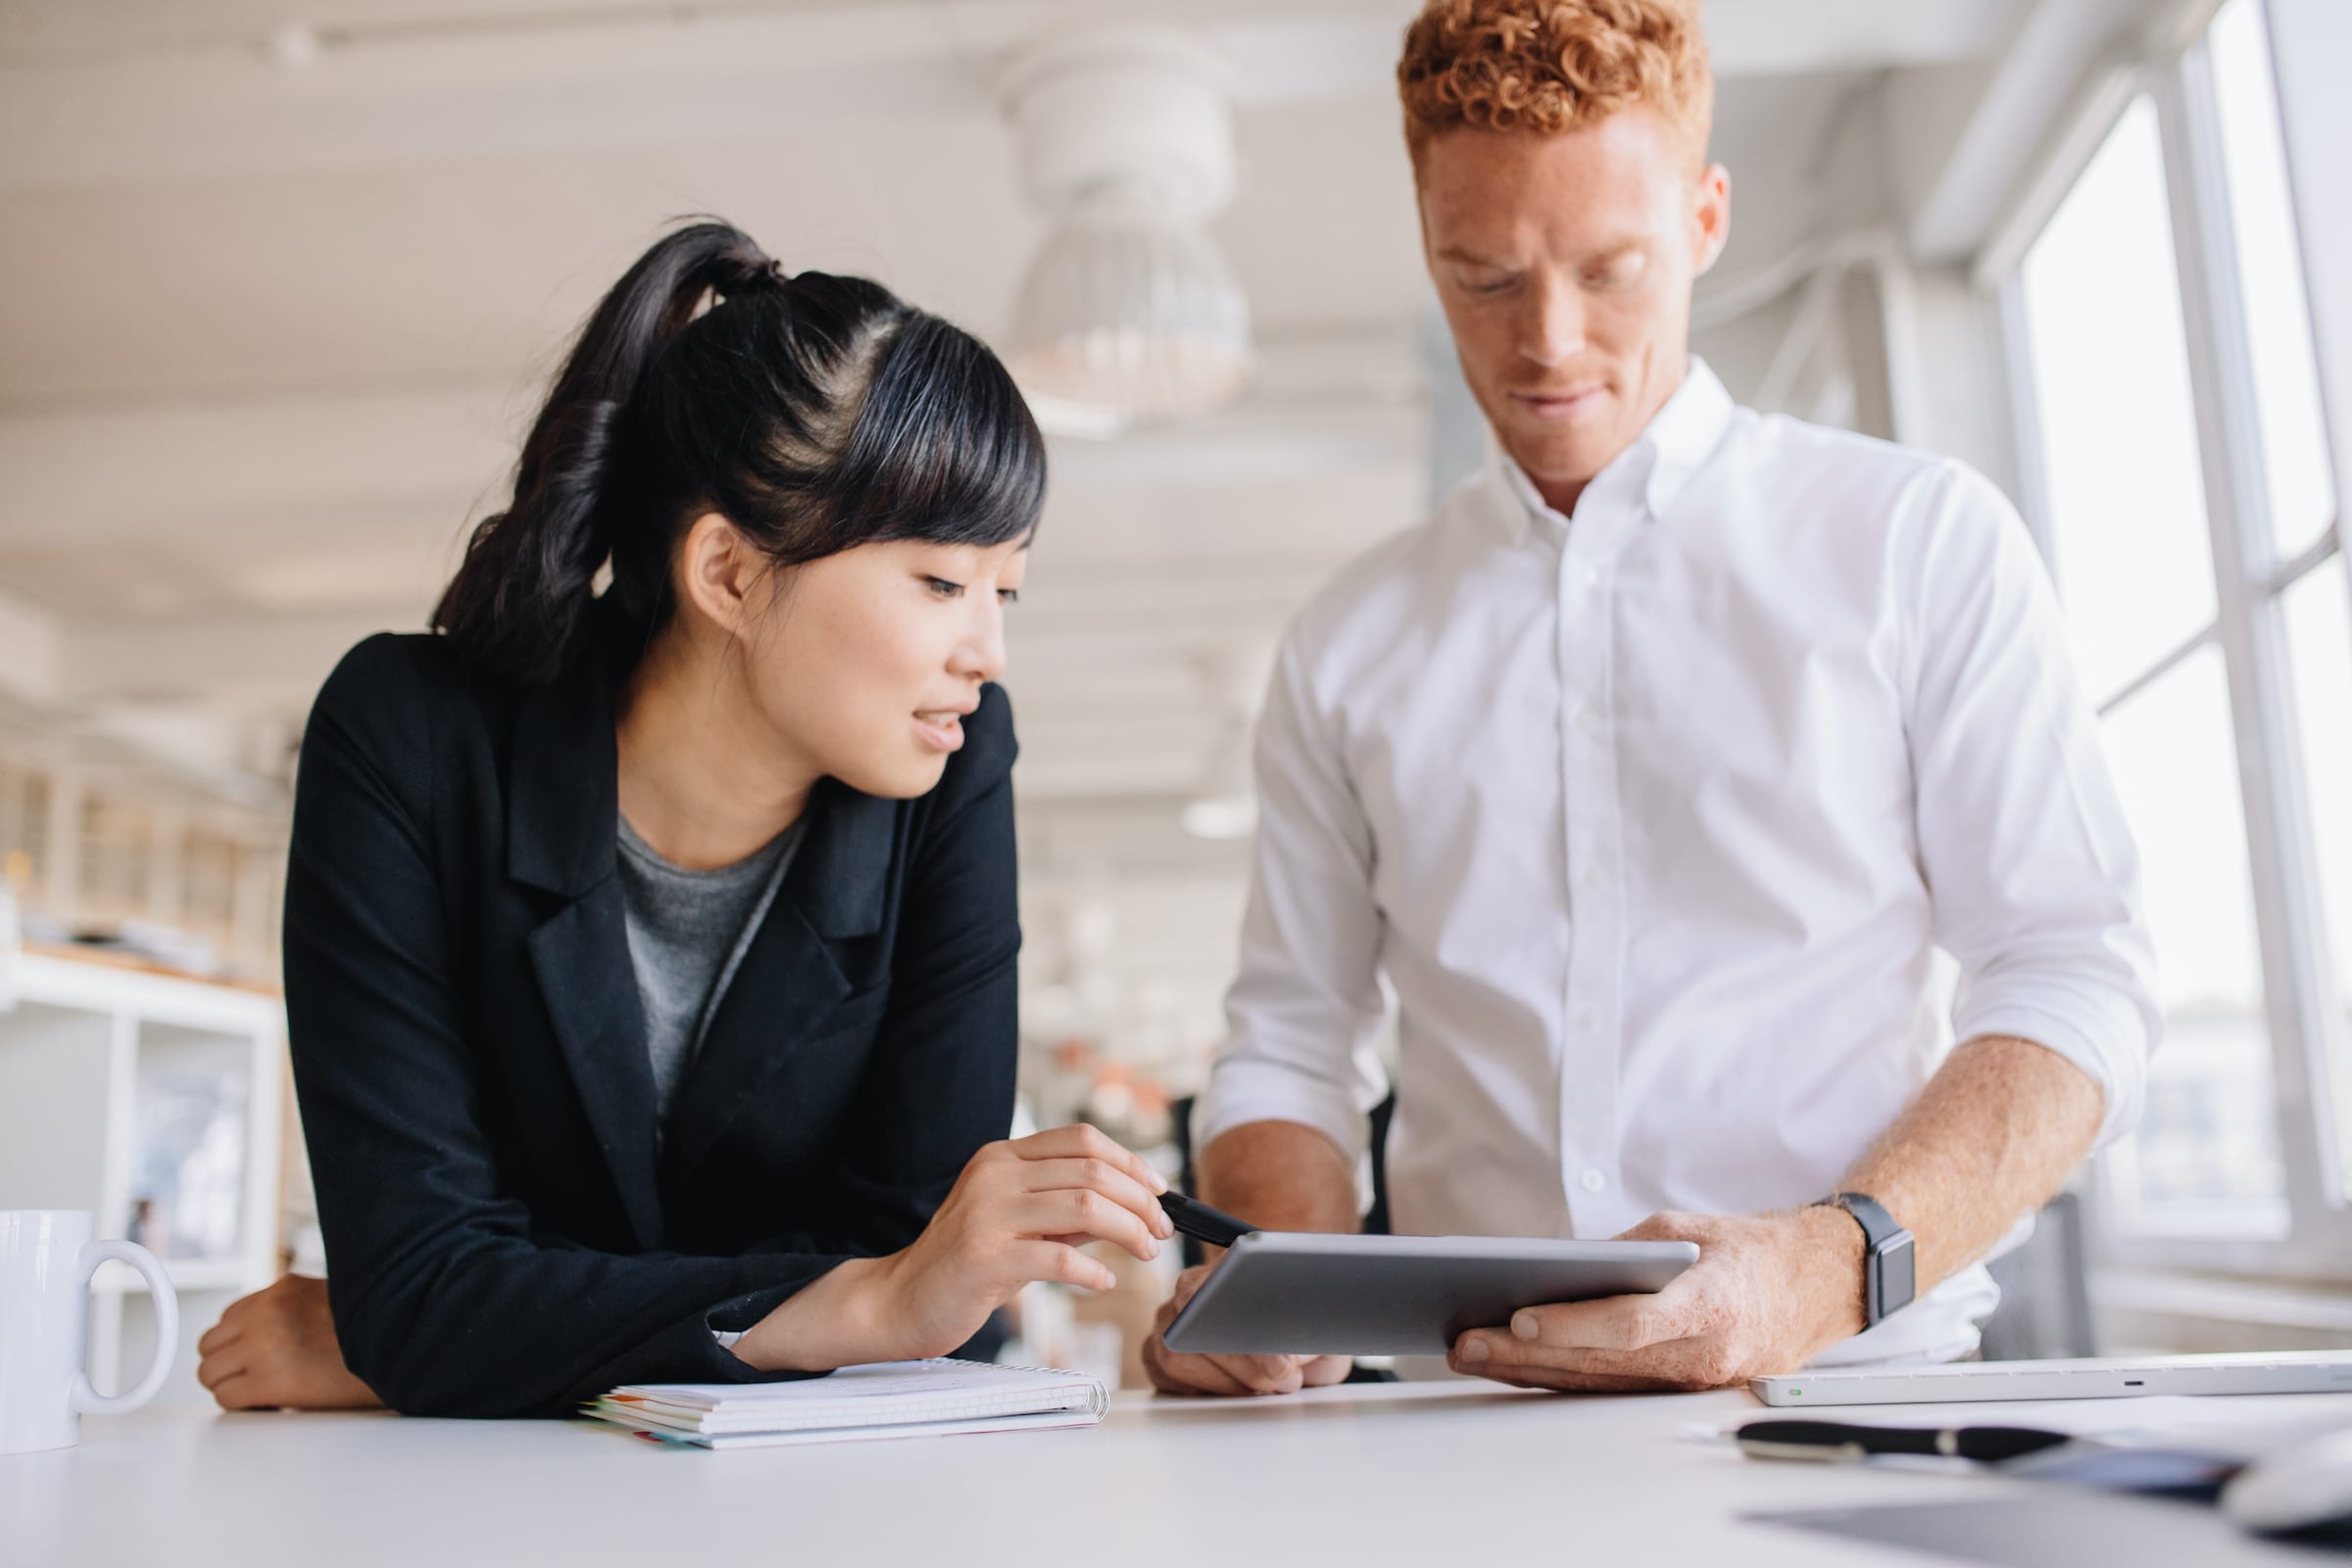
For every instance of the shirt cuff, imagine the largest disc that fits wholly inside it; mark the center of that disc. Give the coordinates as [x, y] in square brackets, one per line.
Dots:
[1241, 1091]
[2112, 1048]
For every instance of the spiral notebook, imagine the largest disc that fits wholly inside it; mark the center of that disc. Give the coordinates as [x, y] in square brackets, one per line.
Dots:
[882, 1399]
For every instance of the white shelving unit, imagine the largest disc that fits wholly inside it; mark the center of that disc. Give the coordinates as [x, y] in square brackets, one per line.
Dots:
[86, 1051]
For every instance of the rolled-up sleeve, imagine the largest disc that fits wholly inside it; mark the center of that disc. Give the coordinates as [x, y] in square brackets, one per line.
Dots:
[1306, 998]
[2022, 836]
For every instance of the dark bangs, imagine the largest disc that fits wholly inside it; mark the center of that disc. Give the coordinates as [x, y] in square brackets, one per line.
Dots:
[943, 448]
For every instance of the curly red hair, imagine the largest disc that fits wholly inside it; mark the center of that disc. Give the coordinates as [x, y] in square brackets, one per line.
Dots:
[1554, 66]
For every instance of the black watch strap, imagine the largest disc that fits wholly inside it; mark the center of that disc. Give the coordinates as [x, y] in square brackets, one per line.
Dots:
[1888, 1278]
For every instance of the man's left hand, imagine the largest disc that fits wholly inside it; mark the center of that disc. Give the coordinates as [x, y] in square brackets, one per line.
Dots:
[1766, 1293]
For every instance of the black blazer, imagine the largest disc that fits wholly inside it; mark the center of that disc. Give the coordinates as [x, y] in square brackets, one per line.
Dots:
[507, 1232]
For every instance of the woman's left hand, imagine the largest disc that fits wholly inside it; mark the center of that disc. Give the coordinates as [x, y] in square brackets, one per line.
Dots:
[278, 1349]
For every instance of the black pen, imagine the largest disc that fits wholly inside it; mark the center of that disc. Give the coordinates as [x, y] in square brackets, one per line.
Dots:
[1838, 1440]
[1200, 1222]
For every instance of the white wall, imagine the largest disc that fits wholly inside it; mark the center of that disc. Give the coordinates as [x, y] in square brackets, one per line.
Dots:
[2312, 44]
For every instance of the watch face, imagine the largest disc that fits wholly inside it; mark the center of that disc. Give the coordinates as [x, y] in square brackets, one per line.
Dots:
[1898, 1275]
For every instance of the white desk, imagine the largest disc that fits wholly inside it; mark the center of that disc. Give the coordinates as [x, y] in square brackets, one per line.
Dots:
[1425, 1474]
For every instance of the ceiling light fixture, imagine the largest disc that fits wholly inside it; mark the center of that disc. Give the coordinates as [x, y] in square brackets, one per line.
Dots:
[1128, 313]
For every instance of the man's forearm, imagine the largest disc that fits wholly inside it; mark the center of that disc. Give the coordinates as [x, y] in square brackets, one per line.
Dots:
[1281, 1175]
[1992, 1137]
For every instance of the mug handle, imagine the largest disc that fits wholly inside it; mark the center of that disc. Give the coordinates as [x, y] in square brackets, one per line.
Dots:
[88, 1400]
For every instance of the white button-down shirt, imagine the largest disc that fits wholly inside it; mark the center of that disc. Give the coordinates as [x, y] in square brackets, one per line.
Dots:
[1654, 817]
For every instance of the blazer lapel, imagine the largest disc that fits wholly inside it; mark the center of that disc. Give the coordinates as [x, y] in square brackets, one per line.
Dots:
[582, 959]
[563, 816]
[790, 976]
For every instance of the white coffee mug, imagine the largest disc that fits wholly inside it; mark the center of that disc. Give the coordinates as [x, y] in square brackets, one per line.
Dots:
[46, 1260]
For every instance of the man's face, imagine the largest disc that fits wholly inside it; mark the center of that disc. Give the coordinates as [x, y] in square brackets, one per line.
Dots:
[1565, 265]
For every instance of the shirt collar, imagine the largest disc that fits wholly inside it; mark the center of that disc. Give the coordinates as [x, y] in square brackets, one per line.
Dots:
[1678, 439]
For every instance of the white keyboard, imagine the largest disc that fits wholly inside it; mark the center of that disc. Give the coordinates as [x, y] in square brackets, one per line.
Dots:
[2098, 1378]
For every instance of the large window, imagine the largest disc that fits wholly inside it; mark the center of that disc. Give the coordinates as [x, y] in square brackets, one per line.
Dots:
[2124, 508]
[2183, 487]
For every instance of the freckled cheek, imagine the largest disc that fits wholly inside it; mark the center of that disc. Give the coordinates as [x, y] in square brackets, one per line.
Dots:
[1659, 315]
[1616, 328]
[1492, 363]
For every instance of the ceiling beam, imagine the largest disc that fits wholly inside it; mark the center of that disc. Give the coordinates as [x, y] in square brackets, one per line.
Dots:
[270, 666]
[101, 477]
[265, 478]
[1794, 38]
[570, 83]
[30, 653]
[579, 81]
[1964, 142]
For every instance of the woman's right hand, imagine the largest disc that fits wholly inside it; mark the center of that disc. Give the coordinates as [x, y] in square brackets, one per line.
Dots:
[1019, 1211]
[276, 1349]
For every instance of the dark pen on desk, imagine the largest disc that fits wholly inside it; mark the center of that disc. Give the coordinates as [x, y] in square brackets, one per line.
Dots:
[1838, 1440]
[1200, 1222]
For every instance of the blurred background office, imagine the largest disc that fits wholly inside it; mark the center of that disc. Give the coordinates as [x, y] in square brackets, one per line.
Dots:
[279, 279]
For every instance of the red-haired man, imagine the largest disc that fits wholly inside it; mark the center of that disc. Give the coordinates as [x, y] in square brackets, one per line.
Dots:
[1651, 772]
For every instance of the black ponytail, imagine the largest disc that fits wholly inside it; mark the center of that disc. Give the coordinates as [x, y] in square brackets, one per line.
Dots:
[814, 413]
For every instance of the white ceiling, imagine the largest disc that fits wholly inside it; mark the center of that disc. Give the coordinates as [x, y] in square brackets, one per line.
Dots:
[274, 298]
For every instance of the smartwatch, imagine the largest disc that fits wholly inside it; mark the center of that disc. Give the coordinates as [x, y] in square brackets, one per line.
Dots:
[1888, 1279]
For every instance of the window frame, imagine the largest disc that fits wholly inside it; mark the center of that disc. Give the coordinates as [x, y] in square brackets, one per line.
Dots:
[2249, 582]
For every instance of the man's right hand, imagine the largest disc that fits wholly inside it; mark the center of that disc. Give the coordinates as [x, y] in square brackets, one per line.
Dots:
[1174, 1373]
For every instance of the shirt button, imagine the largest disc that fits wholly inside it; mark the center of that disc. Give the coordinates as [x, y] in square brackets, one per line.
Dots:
[1581, 574]
[1592, 1181]
[1586, 1018]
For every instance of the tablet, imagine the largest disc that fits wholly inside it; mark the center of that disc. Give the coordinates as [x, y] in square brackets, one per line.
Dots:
[1292, 1292]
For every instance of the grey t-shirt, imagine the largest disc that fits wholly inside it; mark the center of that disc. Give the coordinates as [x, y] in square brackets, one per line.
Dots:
[688, 930]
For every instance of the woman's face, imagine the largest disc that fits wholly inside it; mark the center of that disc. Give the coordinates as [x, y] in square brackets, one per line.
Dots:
[864, 662]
